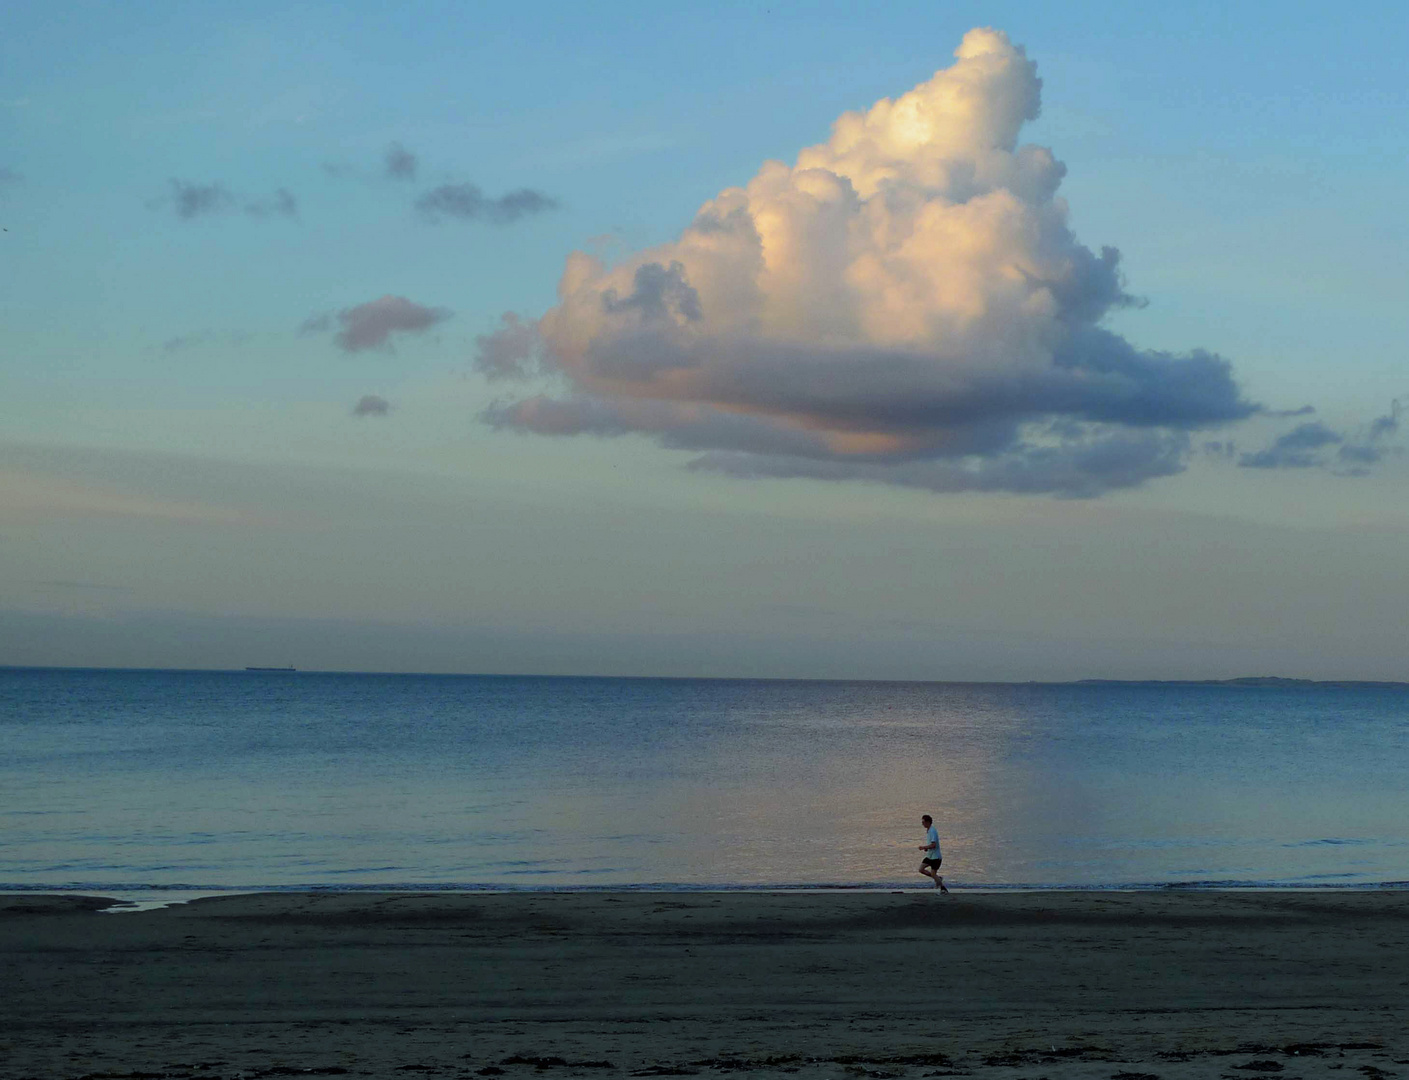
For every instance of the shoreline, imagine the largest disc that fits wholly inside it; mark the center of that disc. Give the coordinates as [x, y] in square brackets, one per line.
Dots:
[131, 899]
[837, 985]
[127, 899]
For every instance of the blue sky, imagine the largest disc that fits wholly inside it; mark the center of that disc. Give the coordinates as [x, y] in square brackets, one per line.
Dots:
[182, 480]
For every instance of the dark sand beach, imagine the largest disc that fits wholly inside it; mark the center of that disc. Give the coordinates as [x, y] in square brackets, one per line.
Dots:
[1007, 985]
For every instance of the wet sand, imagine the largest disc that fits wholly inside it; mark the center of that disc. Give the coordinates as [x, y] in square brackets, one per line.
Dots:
[1007, 986]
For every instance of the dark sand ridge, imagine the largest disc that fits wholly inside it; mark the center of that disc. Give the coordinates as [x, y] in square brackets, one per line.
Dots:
[1009, 985]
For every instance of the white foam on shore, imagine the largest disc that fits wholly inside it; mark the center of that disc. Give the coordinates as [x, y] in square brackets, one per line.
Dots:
[129, 903]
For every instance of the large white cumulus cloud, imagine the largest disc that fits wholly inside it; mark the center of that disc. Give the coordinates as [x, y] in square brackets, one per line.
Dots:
[906, 303]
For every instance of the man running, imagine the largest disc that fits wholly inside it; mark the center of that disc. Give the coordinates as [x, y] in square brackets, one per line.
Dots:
[930, 866]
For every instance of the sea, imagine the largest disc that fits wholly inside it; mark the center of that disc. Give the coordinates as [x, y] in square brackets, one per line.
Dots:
[128, 782]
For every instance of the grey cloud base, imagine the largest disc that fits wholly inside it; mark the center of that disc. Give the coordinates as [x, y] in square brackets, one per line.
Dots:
[1106, 416]
[1076, 469]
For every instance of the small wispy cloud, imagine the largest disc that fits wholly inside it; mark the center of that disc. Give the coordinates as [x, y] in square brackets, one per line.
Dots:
[198, 338]
[1224, 449]
[371, 405]
[1297, 449]
[398, 163]
[318, 323]
[370, 325]
[190, 200]
[467, 202]
[1310, 446]
[28, 493]
[280, 204]
[1382, 427]
[9, 177]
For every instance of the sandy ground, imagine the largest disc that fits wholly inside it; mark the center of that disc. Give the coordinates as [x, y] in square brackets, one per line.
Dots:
[1131, 986]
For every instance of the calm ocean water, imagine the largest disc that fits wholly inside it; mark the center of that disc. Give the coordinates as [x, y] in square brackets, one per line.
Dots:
[226, 780]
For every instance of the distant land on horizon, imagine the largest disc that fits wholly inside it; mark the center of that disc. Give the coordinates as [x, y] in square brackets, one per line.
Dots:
[1250, 681]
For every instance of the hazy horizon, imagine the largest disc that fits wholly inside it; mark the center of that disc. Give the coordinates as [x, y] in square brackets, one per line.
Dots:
[294, 670]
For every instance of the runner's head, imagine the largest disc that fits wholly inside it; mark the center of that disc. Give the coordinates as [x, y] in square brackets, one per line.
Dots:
[926, 820]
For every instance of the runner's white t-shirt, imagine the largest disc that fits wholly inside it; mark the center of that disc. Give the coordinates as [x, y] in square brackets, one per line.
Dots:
[932, 837]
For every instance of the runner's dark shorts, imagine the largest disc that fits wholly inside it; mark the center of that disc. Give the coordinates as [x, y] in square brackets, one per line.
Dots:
[934, 864]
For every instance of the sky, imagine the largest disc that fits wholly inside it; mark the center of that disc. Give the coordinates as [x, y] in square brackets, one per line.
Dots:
[958, 341]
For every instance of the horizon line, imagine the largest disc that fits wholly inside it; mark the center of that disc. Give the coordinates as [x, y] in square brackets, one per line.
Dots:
[1243, 681]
